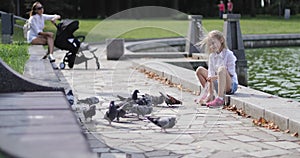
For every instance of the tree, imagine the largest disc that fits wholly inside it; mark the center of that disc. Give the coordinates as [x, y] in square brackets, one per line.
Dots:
[7, 6]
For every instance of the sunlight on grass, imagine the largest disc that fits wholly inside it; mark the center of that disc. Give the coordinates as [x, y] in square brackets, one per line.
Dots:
[97, 30]
[149, 32]
[116, 28]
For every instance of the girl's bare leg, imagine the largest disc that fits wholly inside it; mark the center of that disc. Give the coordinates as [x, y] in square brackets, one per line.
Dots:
[202, 75]
[224, 82]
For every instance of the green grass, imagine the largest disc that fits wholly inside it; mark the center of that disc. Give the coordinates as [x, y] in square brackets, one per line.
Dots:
[141, 29]
[136, 29]
[14, 55]
[98, 30]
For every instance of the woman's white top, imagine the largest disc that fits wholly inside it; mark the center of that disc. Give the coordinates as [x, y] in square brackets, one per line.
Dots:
[37, 23]
[225, 58]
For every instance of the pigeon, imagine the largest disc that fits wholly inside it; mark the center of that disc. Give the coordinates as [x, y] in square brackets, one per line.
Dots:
[169, 100]
[89, 101]
[111, 114]
[121, 109]
[134, 96]
[144, 100]
[120, 113]
[141, 110]
[125, 105]
[156, 100]
[89, 113]
[70, 97]
[163, 122]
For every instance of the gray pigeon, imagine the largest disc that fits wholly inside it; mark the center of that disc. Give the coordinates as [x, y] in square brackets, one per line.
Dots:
[155, 100]
[89, 113]
[125, 105]
[141, 110]
[120, 113]
[134, 96]
[163, 122]
[89, 101]
[70, 97]
[111, 114]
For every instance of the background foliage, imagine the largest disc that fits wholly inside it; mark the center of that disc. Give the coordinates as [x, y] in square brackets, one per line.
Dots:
[106, 8]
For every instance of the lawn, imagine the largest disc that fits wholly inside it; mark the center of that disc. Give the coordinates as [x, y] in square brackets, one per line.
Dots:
[97, 30]
[141, 29]
[14, 55]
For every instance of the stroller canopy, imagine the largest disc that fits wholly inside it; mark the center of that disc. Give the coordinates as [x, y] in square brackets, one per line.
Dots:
[67, 26]
[64, 33]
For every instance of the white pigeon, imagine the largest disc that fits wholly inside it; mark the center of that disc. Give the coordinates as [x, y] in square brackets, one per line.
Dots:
[163, 122]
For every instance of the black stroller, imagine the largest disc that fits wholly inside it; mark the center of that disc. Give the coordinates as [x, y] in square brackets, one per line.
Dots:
[65, 40]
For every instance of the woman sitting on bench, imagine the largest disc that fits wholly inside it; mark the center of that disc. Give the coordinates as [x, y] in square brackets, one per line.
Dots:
[36, 35]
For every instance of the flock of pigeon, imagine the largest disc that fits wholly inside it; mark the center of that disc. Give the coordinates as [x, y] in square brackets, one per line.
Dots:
[141, 106]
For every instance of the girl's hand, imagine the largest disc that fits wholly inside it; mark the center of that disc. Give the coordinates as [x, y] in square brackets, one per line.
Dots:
[212, 78]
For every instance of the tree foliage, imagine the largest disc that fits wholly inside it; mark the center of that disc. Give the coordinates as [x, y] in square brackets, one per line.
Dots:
[106, 8]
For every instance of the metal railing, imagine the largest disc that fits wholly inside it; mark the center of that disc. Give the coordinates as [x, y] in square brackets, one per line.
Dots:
[15, 17]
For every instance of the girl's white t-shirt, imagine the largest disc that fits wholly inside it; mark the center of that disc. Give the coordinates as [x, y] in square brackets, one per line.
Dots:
[225, 58]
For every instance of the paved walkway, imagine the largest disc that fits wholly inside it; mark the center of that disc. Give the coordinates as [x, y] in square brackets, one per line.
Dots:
[36, 119]
[199, 131]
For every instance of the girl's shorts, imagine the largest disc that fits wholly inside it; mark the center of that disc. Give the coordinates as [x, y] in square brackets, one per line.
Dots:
[234, 87]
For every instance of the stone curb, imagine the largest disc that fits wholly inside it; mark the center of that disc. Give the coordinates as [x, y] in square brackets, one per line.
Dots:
[283, 112]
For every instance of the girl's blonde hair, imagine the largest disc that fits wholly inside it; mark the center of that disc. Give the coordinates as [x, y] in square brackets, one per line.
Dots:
[216, 35]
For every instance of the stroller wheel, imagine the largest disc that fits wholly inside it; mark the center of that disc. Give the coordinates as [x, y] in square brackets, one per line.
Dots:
[62, 65]
[71, 64]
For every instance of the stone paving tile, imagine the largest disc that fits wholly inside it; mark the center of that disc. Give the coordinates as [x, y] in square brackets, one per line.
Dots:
[199, 131]
[138, 156]
[269, 153]
[244, 138]
[225, 154]
[294, 154]
[112, 155]
[157, 153]
[284, 144]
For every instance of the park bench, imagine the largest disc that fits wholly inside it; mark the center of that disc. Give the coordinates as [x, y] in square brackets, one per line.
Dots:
[36, 118]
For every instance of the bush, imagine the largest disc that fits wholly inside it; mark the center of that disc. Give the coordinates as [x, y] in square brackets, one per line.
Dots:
[14, 55]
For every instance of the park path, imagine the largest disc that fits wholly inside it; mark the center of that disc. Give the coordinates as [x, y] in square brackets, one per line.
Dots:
[199, 131]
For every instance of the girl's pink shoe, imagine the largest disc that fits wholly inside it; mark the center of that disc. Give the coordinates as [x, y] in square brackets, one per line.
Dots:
[215, 103]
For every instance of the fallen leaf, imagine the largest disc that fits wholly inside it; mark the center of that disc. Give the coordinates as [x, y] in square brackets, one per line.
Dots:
[262, 120]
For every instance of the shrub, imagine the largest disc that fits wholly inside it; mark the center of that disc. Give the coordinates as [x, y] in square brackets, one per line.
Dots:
[15, 55]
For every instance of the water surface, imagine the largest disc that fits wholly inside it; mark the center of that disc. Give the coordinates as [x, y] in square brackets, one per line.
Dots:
[275, 71]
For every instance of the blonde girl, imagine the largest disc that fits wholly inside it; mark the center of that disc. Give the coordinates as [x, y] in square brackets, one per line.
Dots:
[221, 72]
